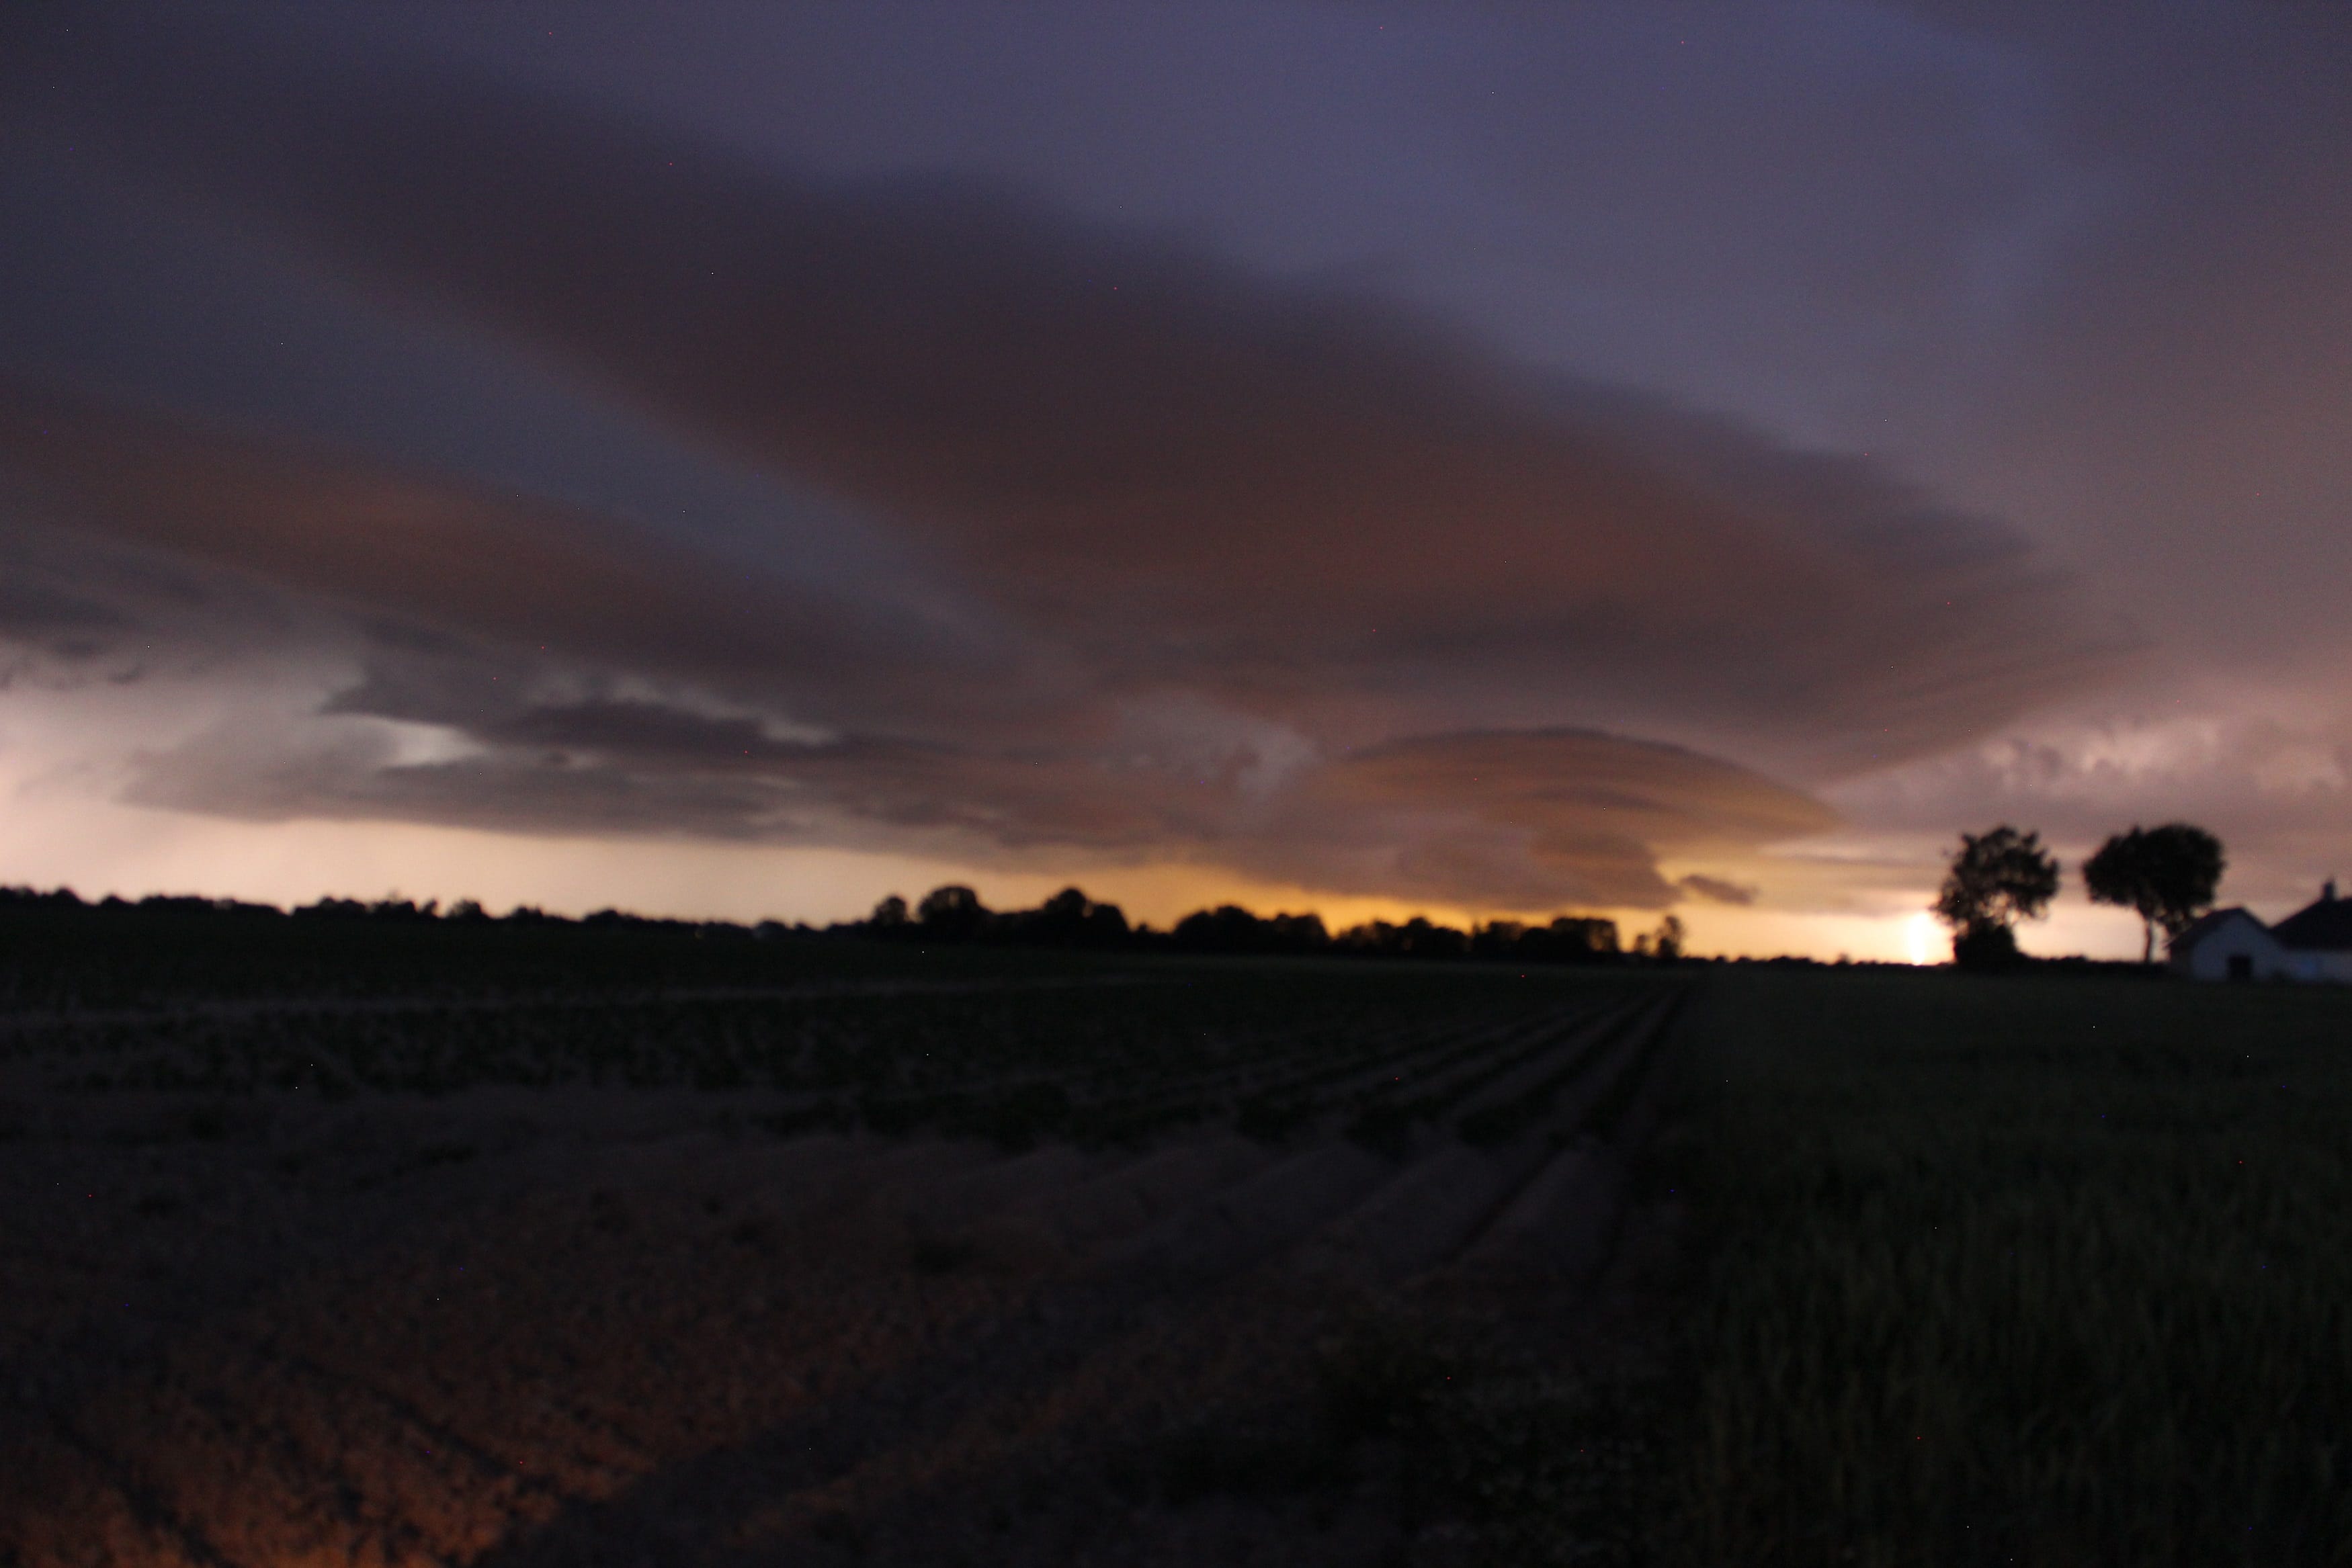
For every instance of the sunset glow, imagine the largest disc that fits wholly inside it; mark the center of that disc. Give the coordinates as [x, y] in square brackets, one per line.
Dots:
[536, 466]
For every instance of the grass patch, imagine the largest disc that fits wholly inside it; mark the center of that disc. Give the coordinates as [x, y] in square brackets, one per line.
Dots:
[2030, 1269]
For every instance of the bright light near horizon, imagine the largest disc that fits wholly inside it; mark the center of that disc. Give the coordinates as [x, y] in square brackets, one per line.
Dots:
[1919, 936]
[62, 827]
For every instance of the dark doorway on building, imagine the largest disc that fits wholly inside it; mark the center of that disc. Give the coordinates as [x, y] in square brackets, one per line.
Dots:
[2241, 965]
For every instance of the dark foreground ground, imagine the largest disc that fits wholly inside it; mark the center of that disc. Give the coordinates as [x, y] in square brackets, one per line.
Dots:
[1016, 1258]
[1028, 1261]
[2034, 1270]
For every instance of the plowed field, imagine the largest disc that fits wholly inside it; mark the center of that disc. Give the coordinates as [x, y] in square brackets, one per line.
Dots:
[1120, 1268]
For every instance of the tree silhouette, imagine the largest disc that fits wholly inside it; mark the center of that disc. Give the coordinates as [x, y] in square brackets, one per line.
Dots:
[953, 913]
[1668, 941]
[1070, 918]
[1996, 879]
[2167, 874]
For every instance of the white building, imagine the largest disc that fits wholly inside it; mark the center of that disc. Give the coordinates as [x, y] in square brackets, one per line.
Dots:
[2318, 939]
[2228, 945]
[2312, 944]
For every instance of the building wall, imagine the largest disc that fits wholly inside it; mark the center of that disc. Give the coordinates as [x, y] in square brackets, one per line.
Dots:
[2306, 964]
[2210, 959]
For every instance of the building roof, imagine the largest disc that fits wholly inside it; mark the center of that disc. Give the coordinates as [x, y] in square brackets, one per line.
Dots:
[2212, 921]
[2324, 926]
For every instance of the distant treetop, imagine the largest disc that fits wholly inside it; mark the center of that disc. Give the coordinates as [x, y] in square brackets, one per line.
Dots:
[1996, 879]
[2169, 875]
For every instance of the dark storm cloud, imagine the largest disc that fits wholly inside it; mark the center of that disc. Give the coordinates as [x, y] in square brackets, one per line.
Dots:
[29, 608]
[1558, 815]
[1715, 890]
[1106, 432]
[648, 730]
[48, 623]
[496, 567]
[1516, 820]
[2169, 390]
[1271, 579]
[257, 773]
[525, 599]
[76, 606]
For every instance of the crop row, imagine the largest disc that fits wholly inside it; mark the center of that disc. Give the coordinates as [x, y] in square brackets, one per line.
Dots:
[1102, 1057]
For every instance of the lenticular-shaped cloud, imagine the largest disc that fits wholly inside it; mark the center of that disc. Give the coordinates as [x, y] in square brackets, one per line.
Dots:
[1269, 580]
[1160, 459]
[498, 569]
[560, 713]
[365, 535]
[1556, 816]
[1715, 889]
[1513, 821]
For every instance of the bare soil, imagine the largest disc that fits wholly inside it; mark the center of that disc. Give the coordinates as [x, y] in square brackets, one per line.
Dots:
[510, 1327]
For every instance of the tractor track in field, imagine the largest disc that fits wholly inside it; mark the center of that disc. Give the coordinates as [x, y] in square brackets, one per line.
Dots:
[640, 1330]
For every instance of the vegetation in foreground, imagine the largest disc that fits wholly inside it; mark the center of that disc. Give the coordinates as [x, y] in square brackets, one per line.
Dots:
[674, 1317]
[59, 951]
[2042, 1268]
[1016, 1045]
[2034, 1270]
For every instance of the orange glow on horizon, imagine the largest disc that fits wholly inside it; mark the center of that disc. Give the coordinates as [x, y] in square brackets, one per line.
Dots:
[59, 836]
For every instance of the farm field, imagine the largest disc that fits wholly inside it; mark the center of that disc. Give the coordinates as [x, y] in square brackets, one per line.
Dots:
[841, 1253]
[2036, 1270]
[1011, 1258]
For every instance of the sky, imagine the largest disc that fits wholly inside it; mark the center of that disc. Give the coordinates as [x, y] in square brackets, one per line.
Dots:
[1490, 459]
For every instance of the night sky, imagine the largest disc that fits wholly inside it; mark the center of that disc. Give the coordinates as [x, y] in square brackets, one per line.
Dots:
[1483, 458]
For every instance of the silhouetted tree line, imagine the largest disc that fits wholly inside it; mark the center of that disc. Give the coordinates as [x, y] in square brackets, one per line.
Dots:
[954, 914]
[385, 911]
[1071, 919]
[2168, 875]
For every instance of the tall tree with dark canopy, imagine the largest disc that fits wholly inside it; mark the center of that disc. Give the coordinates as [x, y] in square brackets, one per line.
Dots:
[1996, 879]
[951, 913]
[2167, 874]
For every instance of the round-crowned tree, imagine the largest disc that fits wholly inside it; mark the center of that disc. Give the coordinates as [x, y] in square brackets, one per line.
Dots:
[1995, 880]
[2167, 874]
[951, 913]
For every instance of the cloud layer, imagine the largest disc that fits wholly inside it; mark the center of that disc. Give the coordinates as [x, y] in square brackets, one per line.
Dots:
[1238, 572]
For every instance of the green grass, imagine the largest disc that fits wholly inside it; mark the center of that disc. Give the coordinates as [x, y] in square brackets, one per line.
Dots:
[2028, 1270]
